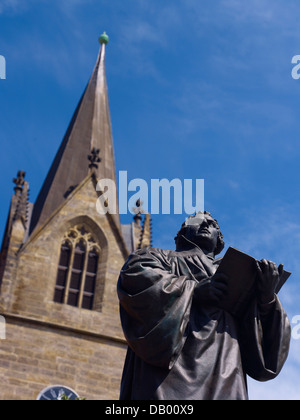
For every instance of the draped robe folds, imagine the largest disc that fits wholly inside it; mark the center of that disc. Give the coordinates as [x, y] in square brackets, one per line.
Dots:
[181, 350]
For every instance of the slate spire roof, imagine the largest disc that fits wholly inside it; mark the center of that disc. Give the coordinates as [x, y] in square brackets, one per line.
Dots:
[89, 130]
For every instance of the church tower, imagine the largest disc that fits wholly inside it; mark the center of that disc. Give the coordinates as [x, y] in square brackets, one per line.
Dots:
[59, 266]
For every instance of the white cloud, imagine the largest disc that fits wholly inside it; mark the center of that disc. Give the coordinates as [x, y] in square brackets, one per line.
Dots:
[275, 230]
[253, 9]
[286, 386]
[15, 6]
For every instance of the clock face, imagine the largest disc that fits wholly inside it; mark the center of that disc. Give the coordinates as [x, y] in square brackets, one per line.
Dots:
[57, 393]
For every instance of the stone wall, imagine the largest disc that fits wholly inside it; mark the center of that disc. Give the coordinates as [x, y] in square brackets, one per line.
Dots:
[49, 343]
[36, 355]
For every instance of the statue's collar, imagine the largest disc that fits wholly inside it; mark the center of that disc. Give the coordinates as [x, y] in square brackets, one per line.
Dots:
[194, 250]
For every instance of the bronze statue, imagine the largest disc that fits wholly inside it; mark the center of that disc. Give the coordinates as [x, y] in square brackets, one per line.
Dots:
[181, 344]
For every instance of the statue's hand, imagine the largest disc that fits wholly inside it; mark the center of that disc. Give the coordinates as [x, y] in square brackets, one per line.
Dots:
[212, 289]
[268, 278]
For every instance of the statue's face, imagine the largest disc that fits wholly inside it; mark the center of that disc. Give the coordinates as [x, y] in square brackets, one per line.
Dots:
[203, 231]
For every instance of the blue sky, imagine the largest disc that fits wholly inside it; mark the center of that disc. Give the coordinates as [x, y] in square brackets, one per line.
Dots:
[197, 90]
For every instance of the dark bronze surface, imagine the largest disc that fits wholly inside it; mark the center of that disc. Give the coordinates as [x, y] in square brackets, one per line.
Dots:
[181, 344]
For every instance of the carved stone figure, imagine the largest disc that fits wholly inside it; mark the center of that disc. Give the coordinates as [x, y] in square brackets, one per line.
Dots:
[181, 344]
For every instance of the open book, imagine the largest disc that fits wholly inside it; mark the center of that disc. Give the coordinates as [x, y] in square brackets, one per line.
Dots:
[242, 274]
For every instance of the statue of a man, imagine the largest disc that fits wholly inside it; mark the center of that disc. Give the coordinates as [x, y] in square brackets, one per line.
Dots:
[181, 345]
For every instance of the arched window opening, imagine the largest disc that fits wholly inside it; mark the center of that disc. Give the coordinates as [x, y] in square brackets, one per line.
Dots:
[90, 279]
[76, 275]
[62, 272]
[77, 269]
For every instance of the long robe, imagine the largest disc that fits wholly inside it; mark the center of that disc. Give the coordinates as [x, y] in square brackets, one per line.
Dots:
[179, 350]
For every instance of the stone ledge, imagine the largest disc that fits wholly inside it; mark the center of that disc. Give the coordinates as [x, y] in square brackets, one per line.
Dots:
[54, 326]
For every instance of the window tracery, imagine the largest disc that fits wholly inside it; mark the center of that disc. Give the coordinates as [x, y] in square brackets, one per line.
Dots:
[77, 269]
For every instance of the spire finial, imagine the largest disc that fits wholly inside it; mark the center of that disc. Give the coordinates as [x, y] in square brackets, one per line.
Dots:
[19, 181]
[104, 38]
[138, 210]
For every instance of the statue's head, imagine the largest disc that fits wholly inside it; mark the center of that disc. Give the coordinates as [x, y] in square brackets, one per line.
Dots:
[201, 230]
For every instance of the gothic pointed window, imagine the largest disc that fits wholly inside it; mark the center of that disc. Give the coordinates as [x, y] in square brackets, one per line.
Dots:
[62, 272]
[76, 274]
[90, 279]
[77, 269]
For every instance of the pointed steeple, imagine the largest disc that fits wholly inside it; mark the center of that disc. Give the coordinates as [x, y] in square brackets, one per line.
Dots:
[141, 232]
[17, 224]
[146, 234]
[89, 132]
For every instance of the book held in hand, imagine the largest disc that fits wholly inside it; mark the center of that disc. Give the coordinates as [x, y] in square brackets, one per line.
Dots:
[241, 270]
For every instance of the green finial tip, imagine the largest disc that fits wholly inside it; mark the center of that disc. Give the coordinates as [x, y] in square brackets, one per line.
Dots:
[104, 39]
